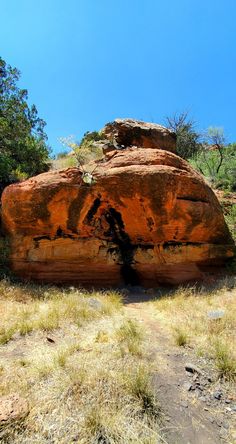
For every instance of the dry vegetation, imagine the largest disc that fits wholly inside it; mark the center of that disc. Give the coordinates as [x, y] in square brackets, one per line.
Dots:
[204, 319]
[85, 366]
[82, 365]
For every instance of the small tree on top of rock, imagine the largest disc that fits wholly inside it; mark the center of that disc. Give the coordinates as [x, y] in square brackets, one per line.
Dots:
[188, 140]
[86, 152]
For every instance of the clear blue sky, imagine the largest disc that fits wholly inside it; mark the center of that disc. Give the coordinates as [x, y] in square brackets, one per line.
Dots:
[85, 62]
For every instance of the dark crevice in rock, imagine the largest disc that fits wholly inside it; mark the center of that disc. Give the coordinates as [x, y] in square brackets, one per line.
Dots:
[59, 232]
[43, 237]
[129, 275]
[172, 244]
[126, 249]
[144, 246]
[192, 199]
[150, 223]
[91, 213]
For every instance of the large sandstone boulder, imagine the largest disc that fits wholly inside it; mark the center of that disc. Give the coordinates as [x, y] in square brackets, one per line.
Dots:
[147, 217]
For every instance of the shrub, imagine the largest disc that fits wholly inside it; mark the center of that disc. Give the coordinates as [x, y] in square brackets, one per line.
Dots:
[206, 161]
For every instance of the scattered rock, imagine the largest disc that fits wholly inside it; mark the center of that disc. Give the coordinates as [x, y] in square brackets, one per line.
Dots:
[223, 433]
[188, 386]
[94, 303]
[215, 314]
[50, 340]
[233, 408]
[219, 422]
[12, 408]
[195, 376]
[184, 404]
[218, 395]
[191, 368]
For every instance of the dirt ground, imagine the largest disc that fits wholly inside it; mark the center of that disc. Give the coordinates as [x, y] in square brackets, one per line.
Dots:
[192, 414]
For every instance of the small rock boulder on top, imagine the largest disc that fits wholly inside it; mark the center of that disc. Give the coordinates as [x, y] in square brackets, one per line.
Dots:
[146, 217]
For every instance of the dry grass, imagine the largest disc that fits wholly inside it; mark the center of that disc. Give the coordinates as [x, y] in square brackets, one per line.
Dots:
[130, 337]
[61, 349]
[189, 315]
[49, 309]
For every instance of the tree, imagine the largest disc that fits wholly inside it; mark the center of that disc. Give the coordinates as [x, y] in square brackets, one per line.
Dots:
[216, 160]
[188, 140]
[87, 152]
[216, 138]
[23, 148]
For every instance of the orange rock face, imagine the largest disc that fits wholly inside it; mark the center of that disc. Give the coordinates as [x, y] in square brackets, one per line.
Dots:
[147, 218]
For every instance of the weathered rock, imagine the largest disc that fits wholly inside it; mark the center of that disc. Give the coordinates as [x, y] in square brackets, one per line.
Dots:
[215, 314]
[218, 394]
[94, 303]
[188, 386]
[146, 218]
[191, 368]
[130, 132]
[12, 408]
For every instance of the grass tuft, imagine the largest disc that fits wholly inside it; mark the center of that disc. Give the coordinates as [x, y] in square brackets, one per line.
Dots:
[225, 361]
[180, 336]
[138, 382]
[130, 337]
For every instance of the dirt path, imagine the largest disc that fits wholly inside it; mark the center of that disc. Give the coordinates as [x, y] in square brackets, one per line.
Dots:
[187, 419]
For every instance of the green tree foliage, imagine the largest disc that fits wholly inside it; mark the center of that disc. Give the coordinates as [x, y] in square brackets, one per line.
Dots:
[217, 161]
[188, 140]
[23, 148]
[88, 150]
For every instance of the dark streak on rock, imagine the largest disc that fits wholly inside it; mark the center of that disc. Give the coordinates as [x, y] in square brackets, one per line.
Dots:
[173, 244]
[192, 199]
[126, 249]
[75, 209]
[91, 213]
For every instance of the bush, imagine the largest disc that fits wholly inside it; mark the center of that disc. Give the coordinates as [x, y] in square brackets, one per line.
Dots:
[187, 139]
